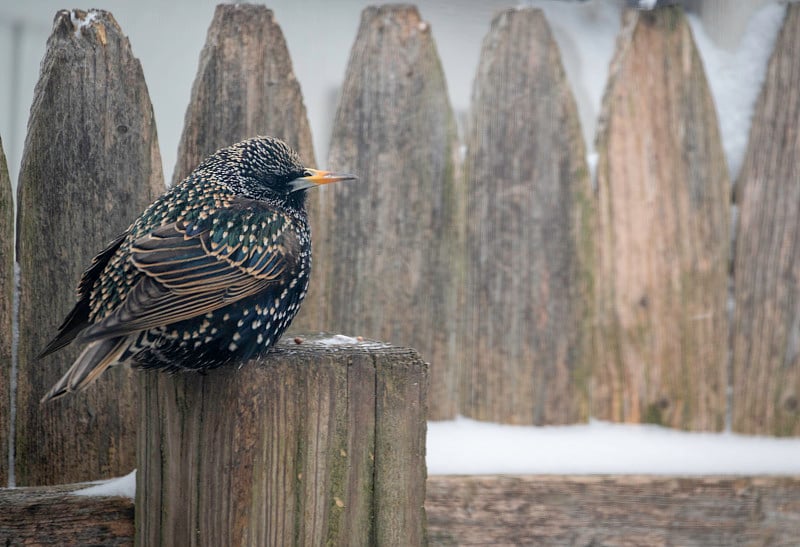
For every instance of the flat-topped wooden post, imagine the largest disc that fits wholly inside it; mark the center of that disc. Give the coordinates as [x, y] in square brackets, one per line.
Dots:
[319, 443]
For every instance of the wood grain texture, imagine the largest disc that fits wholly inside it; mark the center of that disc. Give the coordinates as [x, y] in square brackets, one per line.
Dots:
[766, 330]
[390, 256]
[529, 233]
[90, 165]
[246, 86]
[54, 516]
[664, 208]
[613, 510]
[494, 510]
[316, 444]
[6, 307]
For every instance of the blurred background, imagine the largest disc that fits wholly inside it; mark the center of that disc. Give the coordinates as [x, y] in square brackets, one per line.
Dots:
[168, 37]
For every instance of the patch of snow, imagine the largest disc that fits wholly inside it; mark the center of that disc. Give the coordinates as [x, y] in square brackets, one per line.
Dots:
[121, 486]
[736, 76]
[465, 446]
[338, 340]
[79, 24]
[591, 162]
[468, 447]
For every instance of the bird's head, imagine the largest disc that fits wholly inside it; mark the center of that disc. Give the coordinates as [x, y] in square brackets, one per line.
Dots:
[267, 168]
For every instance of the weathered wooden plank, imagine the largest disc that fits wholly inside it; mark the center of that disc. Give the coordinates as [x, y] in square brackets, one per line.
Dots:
[245, 86]
[494, 510]
[529, 233]
[91, 164]
[53, 515]
[400, 430]
[6, 307]
[613, 510]
[766, 330]
[663, 196]
[319, 443]
[388, 249]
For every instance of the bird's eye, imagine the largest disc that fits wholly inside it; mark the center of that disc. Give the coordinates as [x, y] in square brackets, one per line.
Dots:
[308, 173]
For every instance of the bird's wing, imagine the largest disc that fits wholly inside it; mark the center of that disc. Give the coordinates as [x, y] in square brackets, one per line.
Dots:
[192, 268]
[78, 318]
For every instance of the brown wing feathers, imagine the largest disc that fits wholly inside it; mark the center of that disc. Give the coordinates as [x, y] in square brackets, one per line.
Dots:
[184, 278]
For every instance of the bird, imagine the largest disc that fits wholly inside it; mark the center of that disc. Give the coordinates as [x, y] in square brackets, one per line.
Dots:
[211, 273]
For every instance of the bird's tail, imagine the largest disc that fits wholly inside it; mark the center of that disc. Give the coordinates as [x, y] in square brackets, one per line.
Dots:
[89, 365]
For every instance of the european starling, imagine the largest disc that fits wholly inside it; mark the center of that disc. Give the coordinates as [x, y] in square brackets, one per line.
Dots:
[213, 272]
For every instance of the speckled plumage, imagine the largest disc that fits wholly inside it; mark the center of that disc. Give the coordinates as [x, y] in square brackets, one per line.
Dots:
[213, 272]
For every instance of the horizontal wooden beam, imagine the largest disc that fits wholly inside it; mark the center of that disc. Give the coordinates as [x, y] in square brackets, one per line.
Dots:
[54, 515]
[612, 510]
[533, 509]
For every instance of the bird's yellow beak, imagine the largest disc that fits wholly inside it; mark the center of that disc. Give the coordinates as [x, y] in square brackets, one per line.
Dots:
[317, 178]
[326, 177]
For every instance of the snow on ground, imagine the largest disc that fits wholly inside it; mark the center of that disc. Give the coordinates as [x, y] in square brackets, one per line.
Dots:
[469, 447]
[466, 446]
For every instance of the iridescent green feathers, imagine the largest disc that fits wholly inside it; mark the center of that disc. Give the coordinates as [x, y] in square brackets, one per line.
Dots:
[190, 270]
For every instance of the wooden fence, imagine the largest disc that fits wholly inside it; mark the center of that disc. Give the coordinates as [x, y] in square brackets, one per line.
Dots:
[766, 326]
[543, 510]
[90, 165]
[537, 294]
[663, 224]
[388, 255]
[525, 350]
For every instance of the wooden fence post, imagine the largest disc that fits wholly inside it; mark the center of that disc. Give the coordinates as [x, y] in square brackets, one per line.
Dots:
[529, 233]
[245, 86]
[91, 164]
[664, 207]
[766, 330]
[317, 444]
[6, 307]
[390, 256]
